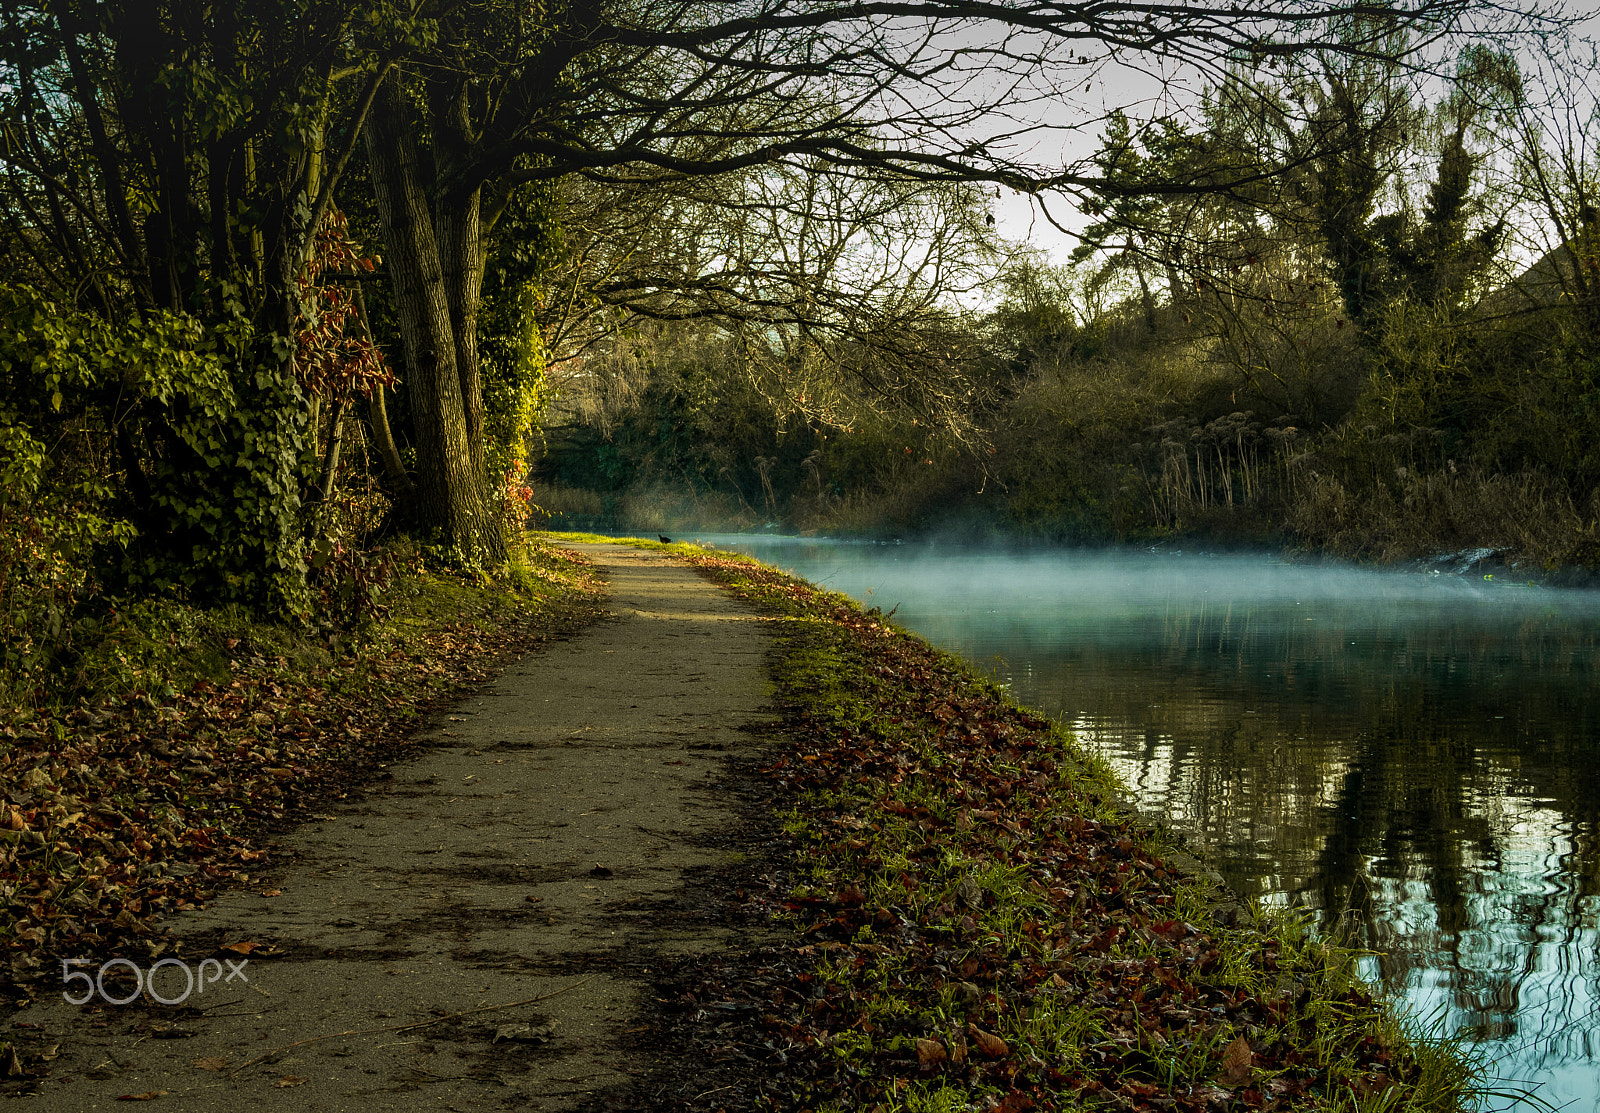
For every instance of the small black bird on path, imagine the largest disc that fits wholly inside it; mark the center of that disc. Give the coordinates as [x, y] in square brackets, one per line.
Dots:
[665, 540]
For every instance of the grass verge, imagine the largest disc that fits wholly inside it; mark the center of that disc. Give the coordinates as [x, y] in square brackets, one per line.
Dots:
[196, 734]
[985, 926]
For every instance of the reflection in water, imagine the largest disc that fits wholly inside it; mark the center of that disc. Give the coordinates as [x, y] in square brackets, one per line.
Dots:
[1414, 756]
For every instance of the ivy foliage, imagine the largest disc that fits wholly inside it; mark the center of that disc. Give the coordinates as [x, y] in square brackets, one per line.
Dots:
[168, 167]
[153, 455]
[526, 244]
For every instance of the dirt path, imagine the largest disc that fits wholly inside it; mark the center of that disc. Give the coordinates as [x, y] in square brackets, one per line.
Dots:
[539, 851]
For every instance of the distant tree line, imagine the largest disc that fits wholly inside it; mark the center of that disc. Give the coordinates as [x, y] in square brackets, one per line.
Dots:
[1340, 307]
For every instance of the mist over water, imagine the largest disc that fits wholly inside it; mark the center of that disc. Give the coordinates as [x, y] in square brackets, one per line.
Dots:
[1416, 756]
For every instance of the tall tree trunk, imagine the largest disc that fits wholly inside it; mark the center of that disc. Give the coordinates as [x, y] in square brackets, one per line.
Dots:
[400, 487]
[458, 226]
[462, 260]
[330, 454]
[451, 498]
[394, 470]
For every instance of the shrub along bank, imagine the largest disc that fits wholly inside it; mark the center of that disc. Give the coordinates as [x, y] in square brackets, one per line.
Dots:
[984, 925]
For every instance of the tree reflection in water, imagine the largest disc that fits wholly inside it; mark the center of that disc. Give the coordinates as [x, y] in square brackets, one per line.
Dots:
[1429, 787]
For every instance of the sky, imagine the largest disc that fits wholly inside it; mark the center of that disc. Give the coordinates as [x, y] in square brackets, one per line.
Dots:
[1143, 94]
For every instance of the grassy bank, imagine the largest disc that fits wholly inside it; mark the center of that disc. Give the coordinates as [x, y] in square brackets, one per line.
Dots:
[192, 735]
[984, 925]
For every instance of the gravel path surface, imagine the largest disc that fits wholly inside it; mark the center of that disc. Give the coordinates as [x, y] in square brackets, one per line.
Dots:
[477, 929]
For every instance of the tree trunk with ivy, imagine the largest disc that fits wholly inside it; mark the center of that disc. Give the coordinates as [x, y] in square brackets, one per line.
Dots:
[200, 132]
[435, 265]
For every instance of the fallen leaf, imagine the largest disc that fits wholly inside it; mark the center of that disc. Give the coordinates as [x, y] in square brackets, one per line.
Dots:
[240, 948]
[1236, 1060]
[148, 1095]
[930, 1053]
[988, 1043]
[288, 1080]
[272, 892]
[213, 1063]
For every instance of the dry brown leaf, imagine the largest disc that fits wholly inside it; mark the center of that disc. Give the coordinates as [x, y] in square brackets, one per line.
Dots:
[1236, 1060]
[288, 1080]
[930, 1053]
[148, 1095]
[255, 950]
[214, 1063]
[988, 1043]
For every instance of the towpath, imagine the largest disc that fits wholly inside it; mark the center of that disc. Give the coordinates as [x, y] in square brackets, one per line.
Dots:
[478, 929]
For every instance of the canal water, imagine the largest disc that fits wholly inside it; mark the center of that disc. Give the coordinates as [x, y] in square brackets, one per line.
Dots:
[1413, 756]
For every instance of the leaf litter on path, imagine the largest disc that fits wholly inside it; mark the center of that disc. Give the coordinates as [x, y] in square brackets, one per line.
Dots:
[124, 810]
